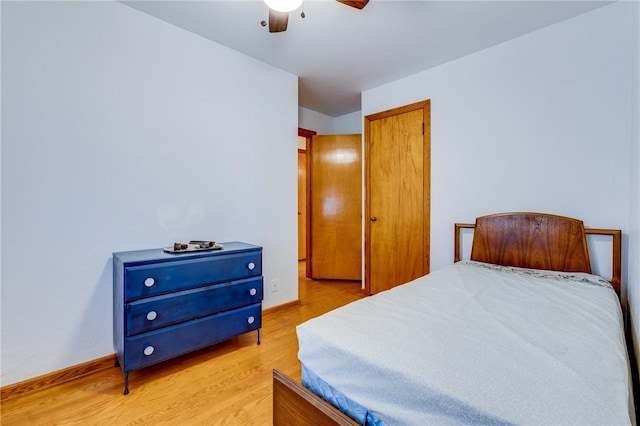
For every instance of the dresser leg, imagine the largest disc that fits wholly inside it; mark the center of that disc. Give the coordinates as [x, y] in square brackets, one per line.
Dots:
[126, 384]
[258, 336]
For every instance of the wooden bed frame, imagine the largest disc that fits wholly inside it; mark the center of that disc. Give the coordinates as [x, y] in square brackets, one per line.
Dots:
[527, 240]
[537, 241]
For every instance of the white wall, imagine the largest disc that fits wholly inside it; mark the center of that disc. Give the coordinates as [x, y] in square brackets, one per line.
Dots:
[122, 132]
[538, 123]
[1, 333]
[320, 123]
[349, 123]
[634, 159]
[324, 124]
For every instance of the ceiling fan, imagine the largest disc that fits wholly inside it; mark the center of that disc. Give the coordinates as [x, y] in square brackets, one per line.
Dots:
[279, 11]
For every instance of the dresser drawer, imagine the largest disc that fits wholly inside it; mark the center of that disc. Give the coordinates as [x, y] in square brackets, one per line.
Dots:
[160, 311]
[159, 345]
[159, 278]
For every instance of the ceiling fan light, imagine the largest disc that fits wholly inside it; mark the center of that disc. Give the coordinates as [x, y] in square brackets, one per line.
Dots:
[283, 5]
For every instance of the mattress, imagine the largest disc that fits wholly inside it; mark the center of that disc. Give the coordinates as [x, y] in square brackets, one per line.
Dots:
[475, 343]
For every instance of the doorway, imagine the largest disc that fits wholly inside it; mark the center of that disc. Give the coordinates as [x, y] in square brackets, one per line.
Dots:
[335, 202]
[302, 199]
[304, 142]
[330, 206]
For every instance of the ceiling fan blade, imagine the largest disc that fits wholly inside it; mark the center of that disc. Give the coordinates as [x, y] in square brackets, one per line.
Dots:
[278, 21]
[358, 4]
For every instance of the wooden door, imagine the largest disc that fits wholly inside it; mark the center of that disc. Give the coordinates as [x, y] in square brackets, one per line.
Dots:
[336, 207]
[302, 204]
[398, 191]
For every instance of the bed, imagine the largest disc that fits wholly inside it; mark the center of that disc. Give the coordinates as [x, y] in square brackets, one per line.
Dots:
[521, 333]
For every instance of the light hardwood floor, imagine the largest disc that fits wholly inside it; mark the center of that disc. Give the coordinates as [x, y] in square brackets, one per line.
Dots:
[227, 384]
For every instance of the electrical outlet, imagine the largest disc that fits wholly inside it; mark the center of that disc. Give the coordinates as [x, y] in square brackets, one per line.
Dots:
[274, 285]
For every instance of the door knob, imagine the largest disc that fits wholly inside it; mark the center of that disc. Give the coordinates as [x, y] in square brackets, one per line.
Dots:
[373, 219]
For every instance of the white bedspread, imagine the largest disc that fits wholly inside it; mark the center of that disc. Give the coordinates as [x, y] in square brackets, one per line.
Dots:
[478, 343]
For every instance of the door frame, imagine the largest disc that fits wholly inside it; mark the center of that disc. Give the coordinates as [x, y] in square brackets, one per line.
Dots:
[425, 106]
[308, 134]
[303, 152]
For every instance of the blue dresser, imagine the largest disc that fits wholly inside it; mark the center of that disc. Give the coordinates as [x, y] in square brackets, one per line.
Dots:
[166, 305]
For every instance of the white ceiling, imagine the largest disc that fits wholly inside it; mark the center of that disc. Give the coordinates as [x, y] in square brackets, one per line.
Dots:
[338, 51]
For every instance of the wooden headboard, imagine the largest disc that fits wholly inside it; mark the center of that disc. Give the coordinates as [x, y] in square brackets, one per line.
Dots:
[537, 241]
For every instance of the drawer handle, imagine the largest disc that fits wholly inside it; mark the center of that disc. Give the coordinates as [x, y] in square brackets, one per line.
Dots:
[149, 350]
[149, 282]
[253, 291]
[251, 320]
[151, 315]
[251, 266]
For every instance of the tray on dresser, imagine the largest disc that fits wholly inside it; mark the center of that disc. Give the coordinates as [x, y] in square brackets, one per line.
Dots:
[191, 247]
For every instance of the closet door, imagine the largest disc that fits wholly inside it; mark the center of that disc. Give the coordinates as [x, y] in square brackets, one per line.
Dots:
[397, 202]
[336, 207]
